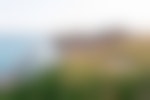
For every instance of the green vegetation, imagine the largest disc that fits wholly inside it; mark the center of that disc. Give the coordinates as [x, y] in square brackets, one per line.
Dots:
[51, 87]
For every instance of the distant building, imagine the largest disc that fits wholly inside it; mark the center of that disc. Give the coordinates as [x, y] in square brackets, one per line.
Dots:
[110, 53]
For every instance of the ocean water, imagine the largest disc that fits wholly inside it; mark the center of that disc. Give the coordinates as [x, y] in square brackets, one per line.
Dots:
[16, 56]
[21, 55]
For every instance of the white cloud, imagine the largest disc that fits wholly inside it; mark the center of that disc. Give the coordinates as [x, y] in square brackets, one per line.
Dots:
[44, 14]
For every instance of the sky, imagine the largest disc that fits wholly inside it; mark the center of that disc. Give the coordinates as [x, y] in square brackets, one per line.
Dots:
[44, 15]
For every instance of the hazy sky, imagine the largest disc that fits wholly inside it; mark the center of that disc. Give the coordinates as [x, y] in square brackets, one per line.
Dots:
[46, 14]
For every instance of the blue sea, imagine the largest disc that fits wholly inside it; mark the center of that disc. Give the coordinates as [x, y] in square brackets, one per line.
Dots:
[19, 54]
[16, 54]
